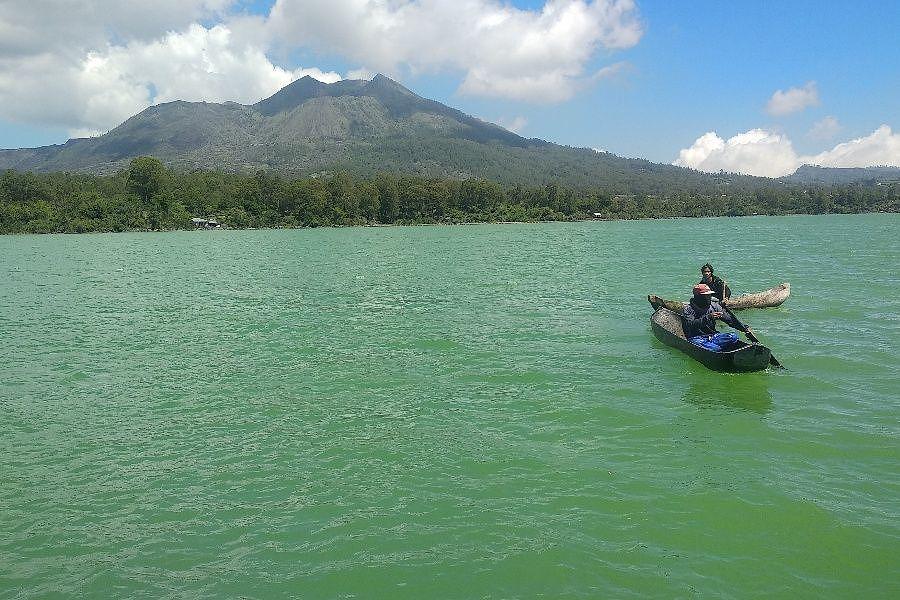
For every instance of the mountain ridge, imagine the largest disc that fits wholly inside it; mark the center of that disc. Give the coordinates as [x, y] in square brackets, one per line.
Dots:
[238, 137]
[362, 126]
[843, 175]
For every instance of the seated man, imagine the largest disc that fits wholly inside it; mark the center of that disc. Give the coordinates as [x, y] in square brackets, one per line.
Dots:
[700, 316]
[719, 287]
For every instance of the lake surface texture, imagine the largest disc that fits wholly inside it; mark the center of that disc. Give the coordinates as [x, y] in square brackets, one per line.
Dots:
[446, 412]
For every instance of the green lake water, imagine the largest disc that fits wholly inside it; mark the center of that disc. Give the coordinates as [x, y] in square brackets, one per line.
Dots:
[446, 412]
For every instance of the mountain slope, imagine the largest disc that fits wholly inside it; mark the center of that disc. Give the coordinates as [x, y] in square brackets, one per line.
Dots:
[361, 126]
[810, 174]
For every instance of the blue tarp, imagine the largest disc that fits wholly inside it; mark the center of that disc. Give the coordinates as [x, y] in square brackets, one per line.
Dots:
[717, 342]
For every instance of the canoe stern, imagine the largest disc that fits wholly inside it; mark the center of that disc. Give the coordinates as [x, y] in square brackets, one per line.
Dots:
[754, 357]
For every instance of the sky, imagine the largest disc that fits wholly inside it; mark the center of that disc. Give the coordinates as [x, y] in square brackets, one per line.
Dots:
[757, 87]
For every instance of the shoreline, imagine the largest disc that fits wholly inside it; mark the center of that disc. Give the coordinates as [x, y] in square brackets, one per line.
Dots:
[444, 224]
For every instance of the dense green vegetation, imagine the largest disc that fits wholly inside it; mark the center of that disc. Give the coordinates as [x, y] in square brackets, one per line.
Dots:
[147, 196]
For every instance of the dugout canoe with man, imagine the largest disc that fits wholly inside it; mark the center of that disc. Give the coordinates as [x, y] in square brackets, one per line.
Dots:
[692, 326]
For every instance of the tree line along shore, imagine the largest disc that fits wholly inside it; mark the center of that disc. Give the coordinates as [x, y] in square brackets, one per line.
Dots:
[147, 196]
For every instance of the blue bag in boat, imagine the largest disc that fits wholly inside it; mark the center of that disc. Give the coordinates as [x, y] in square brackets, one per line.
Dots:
[717, 342]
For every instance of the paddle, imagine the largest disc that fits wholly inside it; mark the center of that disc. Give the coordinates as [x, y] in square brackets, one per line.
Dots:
[772, 360]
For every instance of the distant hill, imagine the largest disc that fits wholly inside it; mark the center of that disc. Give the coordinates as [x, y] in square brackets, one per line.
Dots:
[310, 127]
[811, 174]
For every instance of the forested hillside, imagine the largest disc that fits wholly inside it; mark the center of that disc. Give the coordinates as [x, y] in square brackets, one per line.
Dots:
[147, 196]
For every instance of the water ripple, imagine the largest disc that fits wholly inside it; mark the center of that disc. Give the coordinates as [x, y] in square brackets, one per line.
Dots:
[445, 412]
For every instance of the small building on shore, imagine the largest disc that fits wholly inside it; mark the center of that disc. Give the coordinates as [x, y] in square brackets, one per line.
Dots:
[206, 223]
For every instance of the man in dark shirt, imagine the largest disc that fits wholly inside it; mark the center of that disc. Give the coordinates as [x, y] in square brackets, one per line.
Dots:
[719, 287]
[700, 316]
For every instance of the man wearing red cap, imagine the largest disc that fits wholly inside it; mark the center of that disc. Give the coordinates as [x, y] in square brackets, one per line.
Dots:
[700, 316]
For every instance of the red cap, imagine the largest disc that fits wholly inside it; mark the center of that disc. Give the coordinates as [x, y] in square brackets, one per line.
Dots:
[702, 288]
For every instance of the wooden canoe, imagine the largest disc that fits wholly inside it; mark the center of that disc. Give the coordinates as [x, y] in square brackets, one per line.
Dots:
[771, 297]
[667, 327]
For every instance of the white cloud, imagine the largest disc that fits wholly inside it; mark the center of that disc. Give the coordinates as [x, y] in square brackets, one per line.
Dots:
[768, 154]
[361, 73]
[86, 66]
[537, 55]
[756, 152]
[610, 71]
[203, 64]
[824, 129]
[881, 148]
[89, 65]
[107, 86]
[793, 100]
[516, 124]
[34, 28]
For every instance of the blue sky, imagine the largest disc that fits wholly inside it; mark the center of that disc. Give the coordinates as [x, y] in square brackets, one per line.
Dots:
[682, 70]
